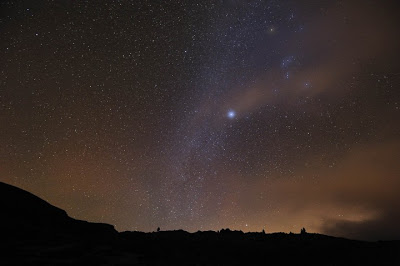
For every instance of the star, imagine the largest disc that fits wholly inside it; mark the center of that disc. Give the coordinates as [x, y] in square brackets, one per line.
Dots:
[231, 114]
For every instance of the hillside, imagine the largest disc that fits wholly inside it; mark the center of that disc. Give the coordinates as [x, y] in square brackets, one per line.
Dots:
[35, 232]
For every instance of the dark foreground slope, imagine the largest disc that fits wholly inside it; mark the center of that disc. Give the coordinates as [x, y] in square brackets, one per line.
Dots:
[33, 232]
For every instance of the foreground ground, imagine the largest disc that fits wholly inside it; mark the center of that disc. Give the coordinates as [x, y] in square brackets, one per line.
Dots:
[33, 232]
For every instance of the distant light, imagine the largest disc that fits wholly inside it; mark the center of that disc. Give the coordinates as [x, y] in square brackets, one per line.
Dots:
[231, 114]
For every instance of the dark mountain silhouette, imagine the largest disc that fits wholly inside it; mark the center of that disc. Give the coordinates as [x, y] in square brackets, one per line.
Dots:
[33, 232]
[26, 214]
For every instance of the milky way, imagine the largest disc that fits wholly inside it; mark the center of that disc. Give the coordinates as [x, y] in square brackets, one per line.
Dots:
[201, 115]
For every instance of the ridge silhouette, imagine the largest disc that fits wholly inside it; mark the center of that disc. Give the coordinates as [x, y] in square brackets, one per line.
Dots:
[23, 212]
[35, 232]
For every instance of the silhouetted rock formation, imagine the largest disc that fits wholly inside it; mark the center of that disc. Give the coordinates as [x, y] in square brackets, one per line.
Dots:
[33, 232]
[26, 214]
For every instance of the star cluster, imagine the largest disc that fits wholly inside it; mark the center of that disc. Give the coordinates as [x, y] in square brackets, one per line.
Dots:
[202, 115]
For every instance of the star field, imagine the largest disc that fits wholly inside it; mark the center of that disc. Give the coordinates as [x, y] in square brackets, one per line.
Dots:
[202, 115]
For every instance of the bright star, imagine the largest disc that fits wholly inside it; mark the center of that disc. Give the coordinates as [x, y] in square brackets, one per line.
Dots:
[231, 114]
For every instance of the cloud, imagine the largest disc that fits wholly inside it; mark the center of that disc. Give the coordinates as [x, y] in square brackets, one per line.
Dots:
[368, 181]
[357, 198]
[383, 227]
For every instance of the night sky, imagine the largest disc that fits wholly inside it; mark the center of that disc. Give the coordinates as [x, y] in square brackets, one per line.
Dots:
[251, 115]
